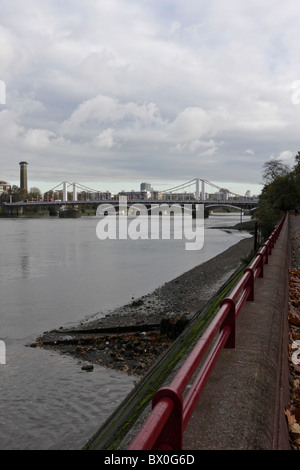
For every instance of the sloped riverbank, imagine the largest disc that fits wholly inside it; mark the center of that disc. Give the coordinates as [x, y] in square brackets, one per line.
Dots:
[132, 337]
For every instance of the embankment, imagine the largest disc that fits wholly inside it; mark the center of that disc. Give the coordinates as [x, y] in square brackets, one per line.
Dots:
[132, 337]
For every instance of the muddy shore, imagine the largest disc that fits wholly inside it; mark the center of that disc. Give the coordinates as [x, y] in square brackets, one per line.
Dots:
[132, 337]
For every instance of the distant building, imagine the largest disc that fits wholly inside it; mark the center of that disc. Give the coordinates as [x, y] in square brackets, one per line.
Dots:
[179, 196]
[4, 187]
[135, 195]
[222, 195]
[156, 195]
[94, 196]
[100, 196]
[145, 187]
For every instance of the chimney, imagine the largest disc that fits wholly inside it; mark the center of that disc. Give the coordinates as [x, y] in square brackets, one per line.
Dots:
[23, 175]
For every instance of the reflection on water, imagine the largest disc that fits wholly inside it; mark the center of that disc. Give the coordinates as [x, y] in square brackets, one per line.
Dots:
[48, 402]
[56, 273]
[25, 266]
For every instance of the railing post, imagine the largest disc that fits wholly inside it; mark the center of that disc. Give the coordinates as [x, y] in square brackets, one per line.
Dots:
[261, 264]
[229, 321]
[267, 252]
[250, 283]
[171, 436]
[273, 239]
[270, 246]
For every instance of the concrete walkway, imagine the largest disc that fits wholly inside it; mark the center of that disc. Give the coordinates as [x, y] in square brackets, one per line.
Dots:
[242, 405]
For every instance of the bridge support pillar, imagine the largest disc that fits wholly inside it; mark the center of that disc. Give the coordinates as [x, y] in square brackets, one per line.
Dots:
[202, 190]
[12, 211]
[198, 189]
[65, 191]
[74, 192]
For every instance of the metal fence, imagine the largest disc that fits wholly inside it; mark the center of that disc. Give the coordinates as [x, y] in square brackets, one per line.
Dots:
[163, 430]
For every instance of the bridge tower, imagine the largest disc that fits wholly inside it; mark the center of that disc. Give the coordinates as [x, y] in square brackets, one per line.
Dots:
[65, 191]
[74, 192]
[198, 189]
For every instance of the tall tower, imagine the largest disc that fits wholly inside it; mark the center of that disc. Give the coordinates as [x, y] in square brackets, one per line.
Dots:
[23, 175]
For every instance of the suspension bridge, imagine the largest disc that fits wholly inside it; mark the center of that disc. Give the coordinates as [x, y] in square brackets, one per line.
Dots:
[195, 191]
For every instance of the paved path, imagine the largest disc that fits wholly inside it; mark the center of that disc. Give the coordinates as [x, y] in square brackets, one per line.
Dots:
[242, 405]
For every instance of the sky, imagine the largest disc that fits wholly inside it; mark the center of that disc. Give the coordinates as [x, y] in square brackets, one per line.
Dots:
[112, 93]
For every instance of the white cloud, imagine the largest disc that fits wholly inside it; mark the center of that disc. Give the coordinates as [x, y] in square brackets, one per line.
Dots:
[8, 50]
[295, 87]
[39, 138]
[286, 155]
[210, 152]
[105, 139]
[175, 26]
[10, 131]
[190, 124]
[130, 121]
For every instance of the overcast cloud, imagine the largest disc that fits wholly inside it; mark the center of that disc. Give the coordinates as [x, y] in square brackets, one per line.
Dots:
[148, 90]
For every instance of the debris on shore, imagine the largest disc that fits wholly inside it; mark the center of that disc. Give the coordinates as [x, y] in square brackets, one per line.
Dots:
[132, 337]
[121, 348]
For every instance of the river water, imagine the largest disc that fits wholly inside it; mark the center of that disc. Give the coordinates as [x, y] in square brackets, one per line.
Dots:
[56, 272]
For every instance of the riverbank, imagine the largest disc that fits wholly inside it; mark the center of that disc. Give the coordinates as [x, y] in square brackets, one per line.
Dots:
[132, 337]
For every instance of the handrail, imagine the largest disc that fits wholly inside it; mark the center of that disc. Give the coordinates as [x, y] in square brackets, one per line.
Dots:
[170, 412]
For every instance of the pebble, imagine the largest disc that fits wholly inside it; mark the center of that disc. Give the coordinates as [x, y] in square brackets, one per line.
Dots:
[87, 367]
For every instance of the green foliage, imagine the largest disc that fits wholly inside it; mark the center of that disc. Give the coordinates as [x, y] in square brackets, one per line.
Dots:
[280, 194]
[17, 194]
[297, 165]
[267, 217]
[34, 194]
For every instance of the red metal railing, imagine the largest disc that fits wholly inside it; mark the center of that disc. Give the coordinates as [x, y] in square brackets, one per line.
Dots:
[170, 414]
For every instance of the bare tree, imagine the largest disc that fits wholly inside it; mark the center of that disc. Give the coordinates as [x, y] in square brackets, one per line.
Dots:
[273, 169]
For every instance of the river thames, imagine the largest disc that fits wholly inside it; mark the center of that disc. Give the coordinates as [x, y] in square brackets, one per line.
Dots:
[56, 273]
